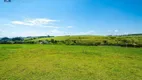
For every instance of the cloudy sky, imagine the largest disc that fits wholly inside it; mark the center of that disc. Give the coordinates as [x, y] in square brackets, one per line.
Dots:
[70, 17]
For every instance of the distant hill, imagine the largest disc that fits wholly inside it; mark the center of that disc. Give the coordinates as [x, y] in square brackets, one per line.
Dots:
[140, 34]
[131, 40]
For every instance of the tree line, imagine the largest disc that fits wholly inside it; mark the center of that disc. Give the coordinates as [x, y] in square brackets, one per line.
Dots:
[125, 41]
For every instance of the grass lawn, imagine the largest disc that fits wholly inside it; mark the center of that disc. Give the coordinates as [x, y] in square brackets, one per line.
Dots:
[62, 62]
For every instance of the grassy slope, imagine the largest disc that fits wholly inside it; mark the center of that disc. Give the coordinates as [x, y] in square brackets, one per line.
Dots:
[56, 38]
[69, 37]
[88, 37]
[56, 62]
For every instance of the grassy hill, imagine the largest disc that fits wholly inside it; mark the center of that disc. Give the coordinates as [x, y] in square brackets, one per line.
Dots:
[118, 40]
[122, 40]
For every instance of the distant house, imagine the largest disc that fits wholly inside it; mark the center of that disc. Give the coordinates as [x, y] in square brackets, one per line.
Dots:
[43, 42]
[40, 42]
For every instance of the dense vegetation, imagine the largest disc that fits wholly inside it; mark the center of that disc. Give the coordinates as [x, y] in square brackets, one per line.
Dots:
[123, 40]
[62, 62]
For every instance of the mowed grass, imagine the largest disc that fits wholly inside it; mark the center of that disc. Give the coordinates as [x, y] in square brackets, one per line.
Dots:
[62, 62]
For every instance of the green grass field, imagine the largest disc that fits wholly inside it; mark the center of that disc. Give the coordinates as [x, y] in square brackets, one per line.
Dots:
[62, 62]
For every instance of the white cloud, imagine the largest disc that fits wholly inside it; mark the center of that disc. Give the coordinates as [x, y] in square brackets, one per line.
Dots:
[126, 33]
[116, 30]
[55, 32]
[44, 23]
[1, 31]
[69, 26]
[50, 26]
[10, 25]
[40, 21]
[87, 33]
[84, 33]
[22, 23]
[13, 32]
[33, 22]
[28, 33]
[33, 33]
[113, 32]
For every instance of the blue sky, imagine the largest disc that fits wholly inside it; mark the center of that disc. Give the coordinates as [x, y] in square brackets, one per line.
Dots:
[70, 17]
